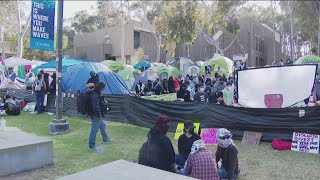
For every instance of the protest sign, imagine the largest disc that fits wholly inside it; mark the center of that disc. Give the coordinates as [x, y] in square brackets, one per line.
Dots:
[304, 142]
[209, 135]
[251, 138]
[180, 127]
[42, 25]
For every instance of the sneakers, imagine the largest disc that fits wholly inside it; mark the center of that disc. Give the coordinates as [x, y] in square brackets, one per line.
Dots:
[109, 141]
[98, 149]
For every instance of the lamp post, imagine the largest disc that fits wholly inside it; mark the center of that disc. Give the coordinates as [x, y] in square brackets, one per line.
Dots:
[59, 125]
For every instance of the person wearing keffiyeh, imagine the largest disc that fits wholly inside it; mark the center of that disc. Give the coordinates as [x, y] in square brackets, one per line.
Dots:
[228, 152]
[201, 163]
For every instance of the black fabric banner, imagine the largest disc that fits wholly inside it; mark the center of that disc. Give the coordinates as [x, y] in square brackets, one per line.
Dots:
[272, 123]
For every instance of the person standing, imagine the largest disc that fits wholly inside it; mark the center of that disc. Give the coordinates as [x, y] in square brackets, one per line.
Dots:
[185, 142]
[158, 151]
[29, 81]
[97, 106]
[201, 163]
[171, 85]
[228, 153]
[219, 85]
[228, 94]
[53, 85]
[39, 87]
[93, 80]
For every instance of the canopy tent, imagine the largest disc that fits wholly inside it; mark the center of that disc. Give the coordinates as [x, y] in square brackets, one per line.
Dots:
[182, 63]
[129, 75]
[149, 74]
[66, 62]
[16, 61]
[143, 65]
[76, 77]
[167, 71]
[219, 64]
[113, 65]
[191, 71]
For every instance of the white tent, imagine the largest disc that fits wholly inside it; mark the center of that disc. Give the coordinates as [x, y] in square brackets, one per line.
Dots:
[16, 61]
[193, 70]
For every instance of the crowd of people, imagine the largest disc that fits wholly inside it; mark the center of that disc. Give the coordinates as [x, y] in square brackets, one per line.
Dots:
[194, 159]
[216, 90]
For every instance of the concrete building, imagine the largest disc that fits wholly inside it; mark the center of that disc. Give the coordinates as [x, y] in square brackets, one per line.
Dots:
[254, 38]
[105, 44]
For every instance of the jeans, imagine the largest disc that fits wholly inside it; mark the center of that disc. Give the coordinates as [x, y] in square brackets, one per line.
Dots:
[40, 99]
[96, 124]
[223, 174]
[180, 159]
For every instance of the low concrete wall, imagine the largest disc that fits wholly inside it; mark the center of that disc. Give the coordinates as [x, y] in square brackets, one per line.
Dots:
[21, 151]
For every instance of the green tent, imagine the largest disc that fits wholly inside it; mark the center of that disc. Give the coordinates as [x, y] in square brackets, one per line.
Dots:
[113, 65]
[308, 59]
[167, 70]
[127, 73]
[220, 64]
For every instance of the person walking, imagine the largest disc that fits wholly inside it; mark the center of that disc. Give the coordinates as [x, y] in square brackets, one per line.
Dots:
[96, 115]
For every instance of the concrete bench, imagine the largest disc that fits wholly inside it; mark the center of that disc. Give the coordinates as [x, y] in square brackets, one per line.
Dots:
[21, 151]
[124, 170]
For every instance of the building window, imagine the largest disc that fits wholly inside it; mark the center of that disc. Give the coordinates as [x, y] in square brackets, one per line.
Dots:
[108, 57]
[136, 40]
[128, 61]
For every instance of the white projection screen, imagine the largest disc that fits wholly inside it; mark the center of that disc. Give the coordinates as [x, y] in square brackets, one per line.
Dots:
[295, 83]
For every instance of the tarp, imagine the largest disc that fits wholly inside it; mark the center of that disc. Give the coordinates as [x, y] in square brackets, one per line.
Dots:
[16, 61]
[294, 83]
[272, 123]
[66, 62]
[149, 74]
[76, 77]
[113, 65]
[143, 64]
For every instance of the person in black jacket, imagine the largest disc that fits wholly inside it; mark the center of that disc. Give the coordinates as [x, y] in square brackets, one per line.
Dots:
[97, 106]
[158, 151]
[228, 153]
[171, 85]
[183, 93]
[185, 142]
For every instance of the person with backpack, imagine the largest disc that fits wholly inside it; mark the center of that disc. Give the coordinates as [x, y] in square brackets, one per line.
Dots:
[93, 80]
[95, 111]
[39, 87]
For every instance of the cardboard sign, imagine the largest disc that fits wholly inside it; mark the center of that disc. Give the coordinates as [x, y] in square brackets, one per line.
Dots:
[209, 135]
[180, 127]
[30, 107]
[304, 142]
[251, 138]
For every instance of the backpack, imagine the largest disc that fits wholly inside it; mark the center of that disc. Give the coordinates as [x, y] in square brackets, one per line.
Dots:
[38, 84]
[86, 103]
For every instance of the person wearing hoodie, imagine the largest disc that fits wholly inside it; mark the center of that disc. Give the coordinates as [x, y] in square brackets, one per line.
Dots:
[165, 89]
[228, 153]
[157, 151]
[183, 93]
[171, 85]
[176, 83]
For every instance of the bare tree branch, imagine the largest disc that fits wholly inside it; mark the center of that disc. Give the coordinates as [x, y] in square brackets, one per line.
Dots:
[27, 25]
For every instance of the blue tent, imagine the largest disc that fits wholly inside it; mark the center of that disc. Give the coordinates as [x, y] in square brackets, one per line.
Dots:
[76, 77]
[66, 62]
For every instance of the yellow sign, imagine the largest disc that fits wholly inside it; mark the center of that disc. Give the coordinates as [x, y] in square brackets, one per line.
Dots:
[180, 128]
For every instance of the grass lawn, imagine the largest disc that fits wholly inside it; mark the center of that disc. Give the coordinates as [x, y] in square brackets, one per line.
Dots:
[71, 154]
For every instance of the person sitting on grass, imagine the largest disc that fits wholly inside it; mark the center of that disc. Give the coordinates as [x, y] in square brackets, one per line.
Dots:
[228, 153]
[185, 142]
[158, 151]
[201, 163]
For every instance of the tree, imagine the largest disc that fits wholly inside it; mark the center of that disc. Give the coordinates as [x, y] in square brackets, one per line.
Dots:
[218, 16]
[83, 22]
[21, 29]
[178, 22]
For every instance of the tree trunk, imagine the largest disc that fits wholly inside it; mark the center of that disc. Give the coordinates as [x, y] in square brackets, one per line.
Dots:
[20, 32]
[159, 49]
